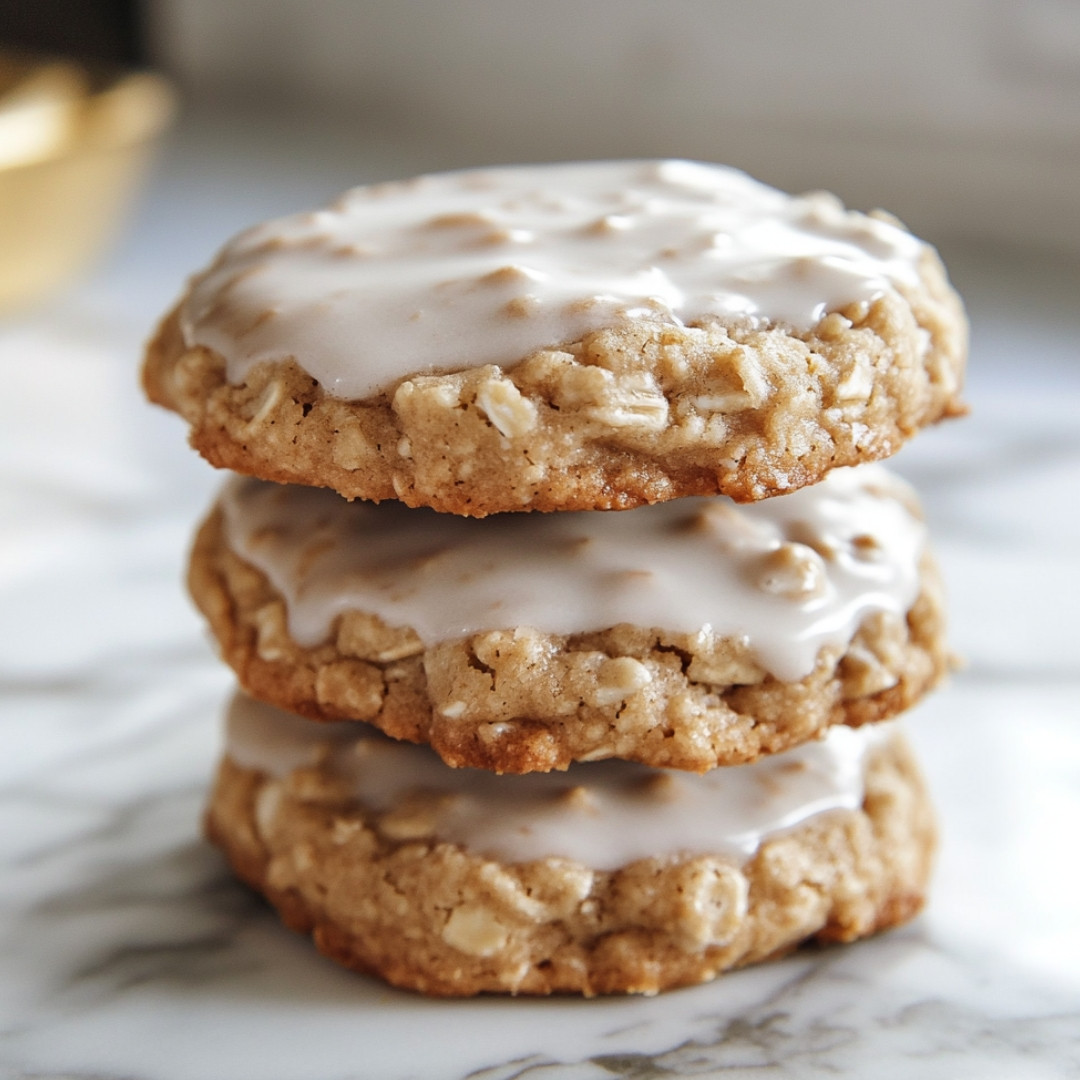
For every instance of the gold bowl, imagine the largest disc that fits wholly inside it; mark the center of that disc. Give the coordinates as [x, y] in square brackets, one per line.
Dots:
[74, 145]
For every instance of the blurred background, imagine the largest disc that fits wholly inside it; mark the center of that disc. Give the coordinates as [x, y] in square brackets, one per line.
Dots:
[963, 117]
[136, 137]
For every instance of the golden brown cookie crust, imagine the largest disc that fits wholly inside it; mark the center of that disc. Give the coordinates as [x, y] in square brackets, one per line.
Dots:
[632, 415]
[430, 916]
[518, 700]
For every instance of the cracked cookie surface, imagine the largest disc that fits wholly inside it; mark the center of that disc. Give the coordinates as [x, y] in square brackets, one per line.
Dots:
[625, 417]
[521, 700]
[382, 893]
[738, 341]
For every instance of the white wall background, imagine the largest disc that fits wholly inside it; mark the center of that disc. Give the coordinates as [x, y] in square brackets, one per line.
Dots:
[963, 116]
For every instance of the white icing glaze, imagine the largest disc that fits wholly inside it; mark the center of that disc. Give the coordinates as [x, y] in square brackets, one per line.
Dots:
[602, 814]
[457, 270]
[789, 574]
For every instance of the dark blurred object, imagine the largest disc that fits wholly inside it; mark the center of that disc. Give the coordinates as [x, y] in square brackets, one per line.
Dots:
[108, 31]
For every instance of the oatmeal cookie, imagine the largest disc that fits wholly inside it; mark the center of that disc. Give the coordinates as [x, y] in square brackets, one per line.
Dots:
[687, 635]
[566, 337]
[631, 880]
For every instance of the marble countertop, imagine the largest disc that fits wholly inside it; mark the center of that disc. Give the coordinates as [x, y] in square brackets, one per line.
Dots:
[130, 954]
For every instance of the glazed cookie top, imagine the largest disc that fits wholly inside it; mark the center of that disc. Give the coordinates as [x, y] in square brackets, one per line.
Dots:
[788, 575]
[464, 269]
[602, 814]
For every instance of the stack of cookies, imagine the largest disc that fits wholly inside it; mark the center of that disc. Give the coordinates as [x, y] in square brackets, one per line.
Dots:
[569, 607]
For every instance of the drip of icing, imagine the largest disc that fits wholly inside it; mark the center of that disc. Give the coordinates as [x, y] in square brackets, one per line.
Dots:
[790, 574]
[458, 270]
[602, 814]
